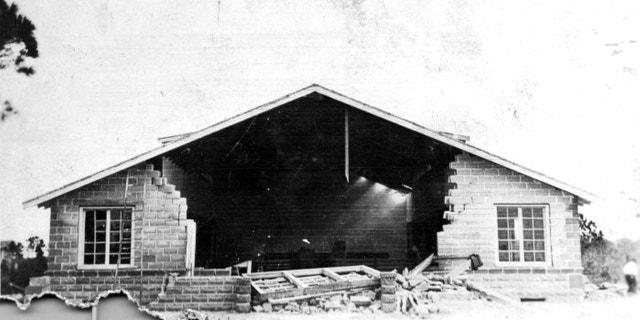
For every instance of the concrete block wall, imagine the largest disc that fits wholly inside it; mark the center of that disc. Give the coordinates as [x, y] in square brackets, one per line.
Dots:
[479, 186]
[217, 293]
[85, 286]
[533, 283]
[159, 219]
[206, 294]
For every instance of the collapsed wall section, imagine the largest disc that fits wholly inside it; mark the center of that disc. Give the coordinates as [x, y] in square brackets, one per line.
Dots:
[482, 186]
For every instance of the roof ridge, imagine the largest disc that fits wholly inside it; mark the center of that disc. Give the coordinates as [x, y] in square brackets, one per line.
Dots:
[175, 141]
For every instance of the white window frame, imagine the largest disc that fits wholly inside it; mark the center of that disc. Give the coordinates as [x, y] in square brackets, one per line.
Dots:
[81, 242]
[520, 236]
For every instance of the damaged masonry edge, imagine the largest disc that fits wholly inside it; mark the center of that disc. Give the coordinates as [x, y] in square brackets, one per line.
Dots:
[23, 306]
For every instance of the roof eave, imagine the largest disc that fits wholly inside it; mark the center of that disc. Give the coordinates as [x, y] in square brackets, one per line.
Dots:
[177, 141]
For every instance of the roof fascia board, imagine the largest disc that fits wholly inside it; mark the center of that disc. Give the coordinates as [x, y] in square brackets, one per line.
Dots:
[167, 139]
[585, 196]
[167, 147]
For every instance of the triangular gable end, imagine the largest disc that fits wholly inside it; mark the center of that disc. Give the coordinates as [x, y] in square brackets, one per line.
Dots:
[174, 142]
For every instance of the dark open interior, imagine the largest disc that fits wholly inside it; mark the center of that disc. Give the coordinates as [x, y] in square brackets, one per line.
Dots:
[275, 189]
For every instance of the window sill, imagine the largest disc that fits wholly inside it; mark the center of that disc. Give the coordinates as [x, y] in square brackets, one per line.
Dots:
[107, 267]
[529, 265]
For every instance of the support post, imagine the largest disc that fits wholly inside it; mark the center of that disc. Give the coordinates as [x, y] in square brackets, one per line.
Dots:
[346, 144]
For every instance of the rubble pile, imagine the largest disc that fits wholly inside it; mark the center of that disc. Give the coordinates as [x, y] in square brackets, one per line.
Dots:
[412, 291]
[421, 293]
[192, 315]
[350, 301]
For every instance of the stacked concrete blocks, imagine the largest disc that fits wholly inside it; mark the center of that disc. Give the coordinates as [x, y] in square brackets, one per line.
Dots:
[243, 295]
[388, 291]
[205, 294]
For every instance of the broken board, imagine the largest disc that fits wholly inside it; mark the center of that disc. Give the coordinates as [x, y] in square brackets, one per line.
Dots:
[291, 283]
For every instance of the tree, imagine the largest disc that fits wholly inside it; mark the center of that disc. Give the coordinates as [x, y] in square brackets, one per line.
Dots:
[18, 268]
[16, 38]
[597, 252]
[36, 245]
[589, 232]
[13, 250]
[17, 45]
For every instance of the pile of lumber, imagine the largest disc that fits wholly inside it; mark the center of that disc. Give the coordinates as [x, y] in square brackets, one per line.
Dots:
[361, 289]
[419, 293]
[353, 300]
[276, 285]
[308, 291]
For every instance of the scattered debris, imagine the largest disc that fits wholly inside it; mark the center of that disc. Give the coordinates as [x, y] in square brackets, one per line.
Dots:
[491, 294]
[257, 308]
[192, 315]
[421, 266]
[361, 301]
[363, 289]
[603, 290]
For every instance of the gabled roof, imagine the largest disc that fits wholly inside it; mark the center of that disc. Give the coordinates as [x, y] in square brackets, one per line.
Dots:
[173, 142]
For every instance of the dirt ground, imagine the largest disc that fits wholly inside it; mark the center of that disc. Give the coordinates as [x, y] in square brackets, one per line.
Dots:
[619, 308]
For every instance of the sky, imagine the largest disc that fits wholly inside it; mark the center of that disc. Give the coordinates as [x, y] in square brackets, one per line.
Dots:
[552, 85]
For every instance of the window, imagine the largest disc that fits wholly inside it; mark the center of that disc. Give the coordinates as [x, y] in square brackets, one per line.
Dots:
[106, 237]
[522, 234]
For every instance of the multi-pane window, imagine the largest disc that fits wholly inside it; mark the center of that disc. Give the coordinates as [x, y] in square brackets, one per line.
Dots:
[107, 237]
[521, 234]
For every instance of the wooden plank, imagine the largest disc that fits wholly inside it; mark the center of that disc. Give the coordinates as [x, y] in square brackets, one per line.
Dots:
[345, 285]
[258, 290]
[307, 296]
[264, 275]
[294, 280]
[370, 271]
[281, 294]
[458, 270]
[301, 272]
[490, 293]
[331, 274]
[346, 143]
[421, 266]
[291, 283]
[319, 280]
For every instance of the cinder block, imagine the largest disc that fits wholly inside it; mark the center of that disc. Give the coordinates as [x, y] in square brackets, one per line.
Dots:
[199, 298]
[208, 289]
[388, 299]
[388, 308]
[168, 188]
[174, 307]
[243, 298]
[388, 278]
[243, 307]
[389, 290]
[243, 289]
[84, 296]
[183, 298]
